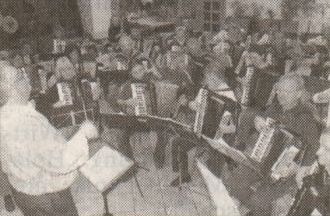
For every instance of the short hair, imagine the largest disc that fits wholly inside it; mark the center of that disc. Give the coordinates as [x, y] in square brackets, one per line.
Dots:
[296, 78]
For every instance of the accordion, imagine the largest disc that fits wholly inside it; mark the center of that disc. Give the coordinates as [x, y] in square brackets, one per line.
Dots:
[145, 94]
[213, 107]
[313, 190]
[71, 109]
[275, 151]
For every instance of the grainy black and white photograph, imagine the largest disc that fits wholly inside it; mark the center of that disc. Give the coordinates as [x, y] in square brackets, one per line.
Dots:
[164, 107]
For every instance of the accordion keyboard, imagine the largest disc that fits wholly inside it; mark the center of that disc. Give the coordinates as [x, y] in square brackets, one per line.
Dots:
[64, 93]
[264, 141]
[138, 92]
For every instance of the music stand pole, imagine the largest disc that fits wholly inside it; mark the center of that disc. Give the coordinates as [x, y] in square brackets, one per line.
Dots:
[106, 207]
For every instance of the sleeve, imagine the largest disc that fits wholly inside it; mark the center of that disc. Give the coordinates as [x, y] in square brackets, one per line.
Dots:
[258, 61]
[310, 138]
[51, 152]
[322, 97]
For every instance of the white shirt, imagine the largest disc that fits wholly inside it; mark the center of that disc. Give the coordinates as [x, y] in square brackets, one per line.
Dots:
[35, 156]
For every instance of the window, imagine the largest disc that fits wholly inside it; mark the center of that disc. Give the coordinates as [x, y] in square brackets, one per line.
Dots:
[212, 15]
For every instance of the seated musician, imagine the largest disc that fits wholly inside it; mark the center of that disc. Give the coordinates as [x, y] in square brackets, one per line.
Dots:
[292, 114]
[64, 72]
[323, 158]
[40, 164]
[180, 36]
[181, 146]
[114, 30]
[72, 51]
[157, 53]
[27, 54]
[16, 59]
[126, 45]
[178, 62]
[120, 99]
[215, 70]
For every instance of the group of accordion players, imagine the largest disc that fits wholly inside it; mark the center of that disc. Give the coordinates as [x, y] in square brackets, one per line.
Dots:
[220, 96]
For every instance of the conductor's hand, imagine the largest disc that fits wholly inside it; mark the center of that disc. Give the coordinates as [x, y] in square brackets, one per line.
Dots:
[89, 130]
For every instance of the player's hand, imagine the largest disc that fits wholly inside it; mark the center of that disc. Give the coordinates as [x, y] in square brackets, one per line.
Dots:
[183, 101]
[89, 130]
[132, 102]
[302, 172]
[259, 123]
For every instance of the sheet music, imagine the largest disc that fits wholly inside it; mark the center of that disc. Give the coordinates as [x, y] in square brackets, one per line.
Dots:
[105, 167]
[263, 142]
[221, 146]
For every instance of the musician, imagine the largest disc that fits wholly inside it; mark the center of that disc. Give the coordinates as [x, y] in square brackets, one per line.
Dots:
[180, 36]
[262, 82]
[120, 99]
[40, 164]
[27, 54]
[126, 45]
[178, 63]
[72, 51]
[215, 71]
[114, 30]
[292, 114]
[16, 59]
[181, 146]
[323, 187]
[64, 72]
[157, 53]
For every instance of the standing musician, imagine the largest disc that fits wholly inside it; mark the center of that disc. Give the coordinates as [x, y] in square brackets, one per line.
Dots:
[40, 164]
[291, 113]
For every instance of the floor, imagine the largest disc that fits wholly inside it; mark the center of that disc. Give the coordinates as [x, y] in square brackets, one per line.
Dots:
[159, 198]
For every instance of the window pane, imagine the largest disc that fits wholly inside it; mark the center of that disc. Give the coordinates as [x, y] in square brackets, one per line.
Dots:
[207, 5]
[207, 27]
[216, 5]
[215, 27]
[207, 16]
[216, 17]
